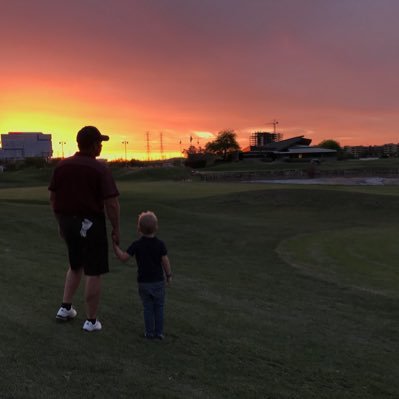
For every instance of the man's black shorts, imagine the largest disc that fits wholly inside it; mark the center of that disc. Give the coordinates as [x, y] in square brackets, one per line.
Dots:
[86, 239]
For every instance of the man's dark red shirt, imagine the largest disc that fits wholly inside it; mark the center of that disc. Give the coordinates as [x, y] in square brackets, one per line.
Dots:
[81, 184]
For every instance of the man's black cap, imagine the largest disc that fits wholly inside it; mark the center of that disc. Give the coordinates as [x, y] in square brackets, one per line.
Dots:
[89, 135]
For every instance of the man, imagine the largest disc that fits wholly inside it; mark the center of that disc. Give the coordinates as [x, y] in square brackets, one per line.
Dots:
[82, 192]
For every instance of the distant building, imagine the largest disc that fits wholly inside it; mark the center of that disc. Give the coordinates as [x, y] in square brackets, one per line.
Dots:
[16, 146]
[259, 139]
[270, 146]
[391, 150]
[373, 151]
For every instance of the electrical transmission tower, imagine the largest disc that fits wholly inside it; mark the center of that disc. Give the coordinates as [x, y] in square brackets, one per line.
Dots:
[148, 145]
[161, 138]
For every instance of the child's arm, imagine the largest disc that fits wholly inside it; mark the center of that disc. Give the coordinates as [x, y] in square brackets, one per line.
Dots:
[166, 268]
[121, 255]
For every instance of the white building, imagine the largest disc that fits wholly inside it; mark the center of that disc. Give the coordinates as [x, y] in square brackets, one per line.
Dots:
[25, 145]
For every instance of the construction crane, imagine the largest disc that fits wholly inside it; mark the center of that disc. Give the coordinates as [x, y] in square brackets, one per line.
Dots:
[275, 123]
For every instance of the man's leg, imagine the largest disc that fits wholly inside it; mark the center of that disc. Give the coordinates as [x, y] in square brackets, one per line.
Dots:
[92, 295]
[72, 281]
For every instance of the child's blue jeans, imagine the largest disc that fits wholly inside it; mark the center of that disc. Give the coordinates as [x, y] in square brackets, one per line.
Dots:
[153, 298]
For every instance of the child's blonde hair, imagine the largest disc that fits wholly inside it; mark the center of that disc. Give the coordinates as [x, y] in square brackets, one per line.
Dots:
[147, 223]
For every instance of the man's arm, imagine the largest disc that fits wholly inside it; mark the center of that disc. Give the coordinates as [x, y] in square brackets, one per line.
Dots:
[52, 203]
[112, 209]
[52, 200]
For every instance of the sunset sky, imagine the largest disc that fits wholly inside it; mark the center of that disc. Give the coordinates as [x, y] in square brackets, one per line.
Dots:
[322, 68]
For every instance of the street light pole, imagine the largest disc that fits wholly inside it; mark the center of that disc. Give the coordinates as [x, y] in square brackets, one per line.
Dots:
[62, 147]
[125, 143]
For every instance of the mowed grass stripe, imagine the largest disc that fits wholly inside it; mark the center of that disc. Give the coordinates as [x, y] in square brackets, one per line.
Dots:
[366, 258]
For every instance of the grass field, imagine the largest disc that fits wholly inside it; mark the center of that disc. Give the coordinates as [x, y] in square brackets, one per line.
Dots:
[278, 292]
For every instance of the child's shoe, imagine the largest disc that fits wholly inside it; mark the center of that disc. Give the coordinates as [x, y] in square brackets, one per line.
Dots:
[148, 336]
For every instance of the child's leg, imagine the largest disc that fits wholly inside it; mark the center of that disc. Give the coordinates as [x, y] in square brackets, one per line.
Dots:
[148, 308]
[159, 301]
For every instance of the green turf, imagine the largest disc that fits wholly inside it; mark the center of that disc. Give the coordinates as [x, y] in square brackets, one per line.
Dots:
[361, 257]
[278, 292]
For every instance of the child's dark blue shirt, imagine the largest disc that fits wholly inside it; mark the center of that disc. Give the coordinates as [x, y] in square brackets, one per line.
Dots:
[148, 252]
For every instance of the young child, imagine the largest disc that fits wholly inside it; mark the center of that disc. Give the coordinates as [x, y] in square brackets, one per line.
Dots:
[152, 264]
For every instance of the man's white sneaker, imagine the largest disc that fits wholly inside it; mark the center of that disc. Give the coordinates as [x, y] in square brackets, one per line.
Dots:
[65, 314]
[89, 326]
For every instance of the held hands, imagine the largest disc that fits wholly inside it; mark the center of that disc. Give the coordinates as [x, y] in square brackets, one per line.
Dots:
[116, 248]
[121, 255]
